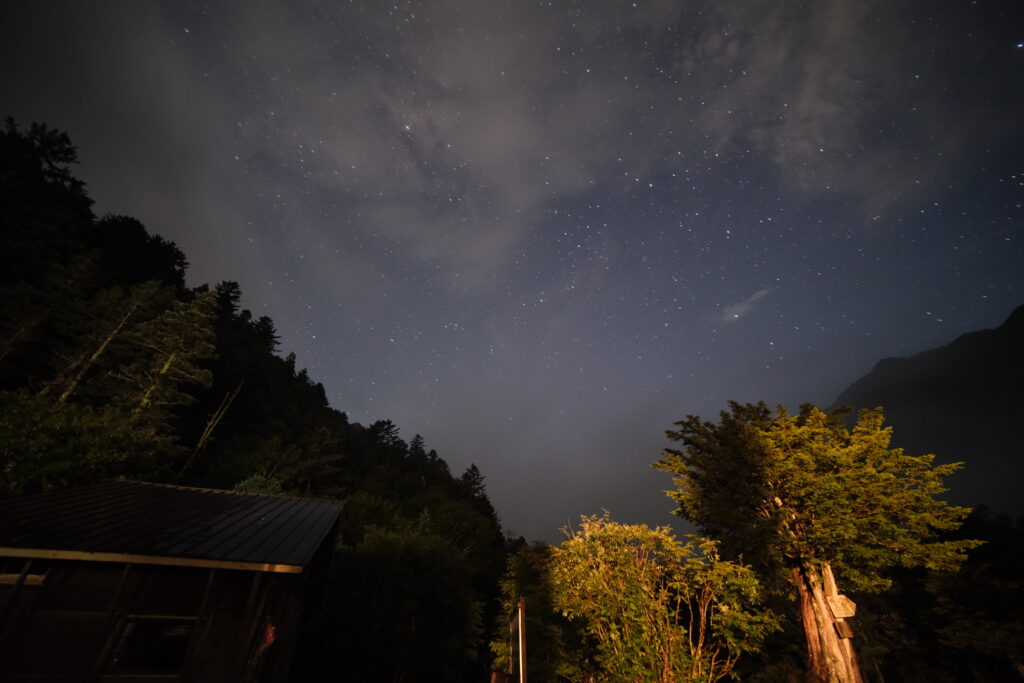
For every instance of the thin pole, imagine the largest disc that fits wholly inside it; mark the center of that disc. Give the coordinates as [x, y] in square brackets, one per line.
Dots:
[521, 608]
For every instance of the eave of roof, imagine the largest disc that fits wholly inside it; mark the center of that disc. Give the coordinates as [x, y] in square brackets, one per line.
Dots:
[145, 523]
[166, 561]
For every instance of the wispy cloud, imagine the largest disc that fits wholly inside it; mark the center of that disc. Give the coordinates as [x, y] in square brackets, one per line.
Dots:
[812, 88]
[731, 314]
[455, 166]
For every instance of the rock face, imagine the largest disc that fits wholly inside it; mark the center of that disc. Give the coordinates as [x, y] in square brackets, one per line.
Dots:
[962, 402]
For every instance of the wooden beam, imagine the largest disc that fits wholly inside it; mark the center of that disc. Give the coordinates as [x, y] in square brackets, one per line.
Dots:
[27, 580]
[123, 558]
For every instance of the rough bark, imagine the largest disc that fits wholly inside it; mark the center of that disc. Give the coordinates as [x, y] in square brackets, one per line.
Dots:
[831, 659]
[849, 656]
[810, 624]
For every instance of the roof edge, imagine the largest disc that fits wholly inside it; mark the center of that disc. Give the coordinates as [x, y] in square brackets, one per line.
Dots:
[232, 492]
[82, 555]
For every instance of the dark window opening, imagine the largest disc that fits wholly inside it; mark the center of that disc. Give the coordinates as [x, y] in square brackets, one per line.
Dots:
[150, 645]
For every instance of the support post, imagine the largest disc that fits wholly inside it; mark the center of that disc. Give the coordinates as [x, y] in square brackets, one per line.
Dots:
[195, 646]
[111, 626]
[250, 620]
[26, 567]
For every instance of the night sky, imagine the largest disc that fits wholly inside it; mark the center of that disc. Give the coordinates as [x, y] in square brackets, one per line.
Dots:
[539, 233]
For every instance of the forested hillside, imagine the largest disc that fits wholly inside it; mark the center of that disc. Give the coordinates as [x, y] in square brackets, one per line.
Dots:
[112, 366]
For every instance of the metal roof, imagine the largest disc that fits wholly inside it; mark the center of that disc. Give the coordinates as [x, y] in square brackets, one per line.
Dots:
[141, 522]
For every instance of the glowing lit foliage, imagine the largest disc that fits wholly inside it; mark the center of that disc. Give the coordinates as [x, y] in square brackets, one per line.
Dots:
[42, 448]
[804, 487]
[659, 610]
[174, 347]
[807, 499]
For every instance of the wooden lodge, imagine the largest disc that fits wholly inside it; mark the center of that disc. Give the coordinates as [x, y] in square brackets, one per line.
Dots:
[133, 581]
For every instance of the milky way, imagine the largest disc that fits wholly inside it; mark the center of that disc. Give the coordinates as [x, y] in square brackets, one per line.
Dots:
[539, 233]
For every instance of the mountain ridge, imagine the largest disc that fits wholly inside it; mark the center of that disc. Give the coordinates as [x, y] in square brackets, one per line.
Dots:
[962, 402]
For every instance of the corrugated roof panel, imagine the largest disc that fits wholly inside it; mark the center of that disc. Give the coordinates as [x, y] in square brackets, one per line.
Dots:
[238, 531]
[304, 546]
[28, 517]
[145, 519]
[271, 543]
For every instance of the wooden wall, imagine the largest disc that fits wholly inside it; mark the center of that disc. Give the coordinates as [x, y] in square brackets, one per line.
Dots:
[101, 621]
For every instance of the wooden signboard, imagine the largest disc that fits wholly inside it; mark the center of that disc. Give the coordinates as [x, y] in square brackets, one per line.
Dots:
[842, 607]
[844, 630]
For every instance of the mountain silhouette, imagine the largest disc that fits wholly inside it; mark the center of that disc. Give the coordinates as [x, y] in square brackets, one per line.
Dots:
[962, 402]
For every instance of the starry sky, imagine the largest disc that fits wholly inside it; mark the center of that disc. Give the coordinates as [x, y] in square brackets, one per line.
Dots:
[537, 233]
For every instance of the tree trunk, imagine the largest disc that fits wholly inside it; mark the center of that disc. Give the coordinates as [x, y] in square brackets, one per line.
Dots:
[810, 623]
[73, 384]
[849, 656]
[148, 395]
[830, 659]
[211, 424]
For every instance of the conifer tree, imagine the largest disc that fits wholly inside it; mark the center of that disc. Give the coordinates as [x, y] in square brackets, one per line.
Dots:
[177, 342]
[101, 322]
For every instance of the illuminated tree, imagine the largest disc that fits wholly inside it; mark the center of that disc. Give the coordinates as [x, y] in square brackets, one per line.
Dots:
[659, 610]
[173, 349]
[808, 499]
[102, 322]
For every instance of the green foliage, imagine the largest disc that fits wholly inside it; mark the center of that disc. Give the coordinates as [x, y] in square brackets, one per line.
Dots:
[793, 489]
[260, 483]
[980, 608]
[42, 448]
[402, 608]
[658, 609]
[946, 626]
[172, 348]
[364, 511]
[811, 504]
